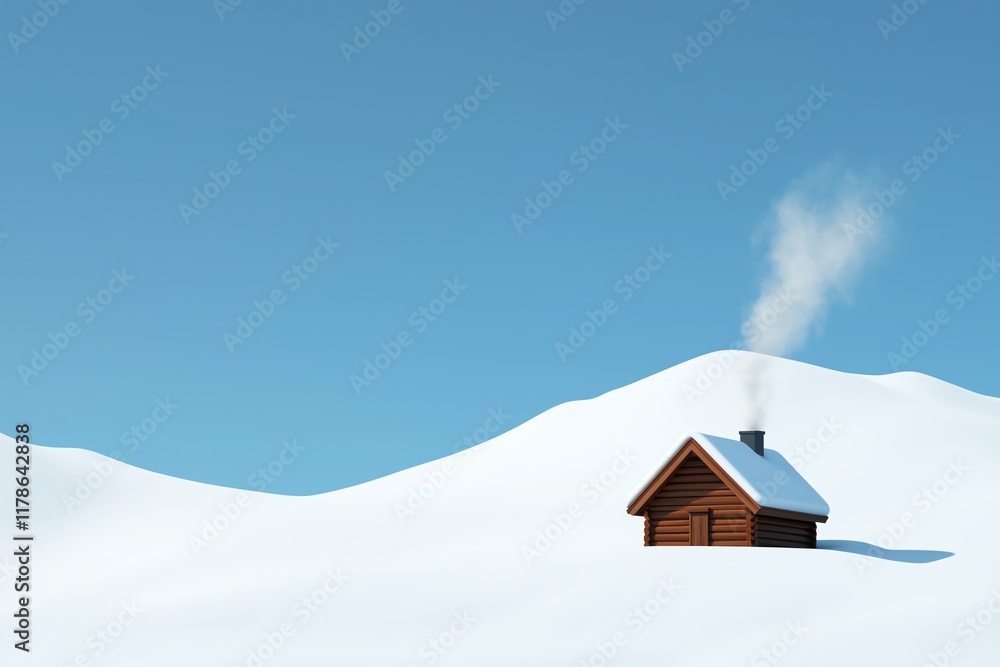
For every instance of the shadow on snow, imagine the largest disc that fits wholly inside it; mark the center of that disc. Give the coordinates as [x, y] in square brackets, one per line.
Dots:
[873, 551]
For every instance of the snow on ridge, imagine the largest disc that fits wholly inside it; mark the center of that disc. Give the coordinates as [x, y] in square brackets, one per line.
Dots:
[908, 382]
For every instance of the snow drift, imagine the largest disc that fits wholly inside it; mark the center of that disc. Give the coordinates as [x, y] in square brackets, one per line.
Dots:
[519, 551]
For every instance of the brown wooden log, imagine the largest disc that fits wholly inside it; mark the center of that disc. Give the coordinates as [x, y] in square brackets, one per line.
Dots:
[693, 491]
[786, 530]
[795, 516]
[701, 502]
[771, 537]
[729, 520]
[741, 532]
[694, 477]
[688, 505]
[809, 539]
[673, 517]
[776, 521]
[712, 499]
[676, 483]
[804, 530]
[784, 539]
[787, 545]
[700, 492]
[678, 510]
[729, 527]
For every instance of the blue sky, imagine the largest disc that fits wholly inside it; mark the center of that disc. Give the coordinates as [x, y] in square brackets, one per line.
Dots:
[250, 154]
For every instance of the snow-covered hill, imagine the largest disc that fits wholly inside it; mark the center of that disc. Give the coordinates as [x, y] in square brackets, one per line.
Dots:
[520, 552]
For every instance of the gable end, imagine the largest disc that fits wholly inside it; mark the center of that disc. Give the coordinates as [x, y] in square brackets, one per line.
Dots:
[689, 449]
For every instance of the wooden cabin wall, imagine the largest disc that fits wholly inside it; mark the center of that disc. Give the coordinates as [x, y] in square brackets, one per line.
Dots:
[769, 531]
[694, 486]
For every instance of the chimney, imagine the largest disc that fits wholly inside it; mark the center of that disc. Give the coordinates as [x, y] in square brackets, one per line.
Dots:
[754, 440]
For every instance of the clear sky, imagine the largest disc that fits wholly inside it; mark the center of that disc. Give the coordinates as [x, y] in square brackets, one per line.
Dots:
[168, 167]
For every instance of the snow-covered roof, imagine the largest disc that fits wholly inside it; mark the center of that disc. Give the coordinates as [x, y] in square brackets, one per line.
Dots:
[770, 480]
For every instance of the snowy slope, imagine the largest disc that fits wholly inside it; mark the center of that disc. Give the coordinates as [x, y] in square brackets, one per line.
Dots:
[905, 461]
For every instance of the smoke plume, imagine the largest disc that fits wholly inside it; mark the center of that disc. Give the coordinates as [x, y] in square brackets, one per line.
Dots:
[815, 252]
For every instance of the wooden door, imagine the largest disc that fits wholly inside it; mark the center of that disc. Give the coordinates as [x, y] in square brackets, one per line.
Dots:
[699, 528]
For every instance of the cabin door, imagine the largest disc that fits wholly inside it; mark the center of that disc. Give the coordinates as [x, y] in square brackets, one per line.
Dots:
[699, 528]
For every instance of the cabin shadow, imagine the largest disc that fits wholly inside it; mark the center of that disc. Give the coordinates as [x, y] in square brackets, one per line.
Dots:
[873, 551]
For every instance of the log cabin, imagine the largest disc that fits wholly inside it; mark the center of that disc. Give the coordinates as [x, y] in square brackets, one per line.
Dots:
[712, 491]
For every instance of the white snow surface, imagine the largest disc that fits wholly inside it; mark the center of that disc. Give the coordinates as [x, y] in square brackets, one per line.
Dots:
[769, 479]
[905, 461]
